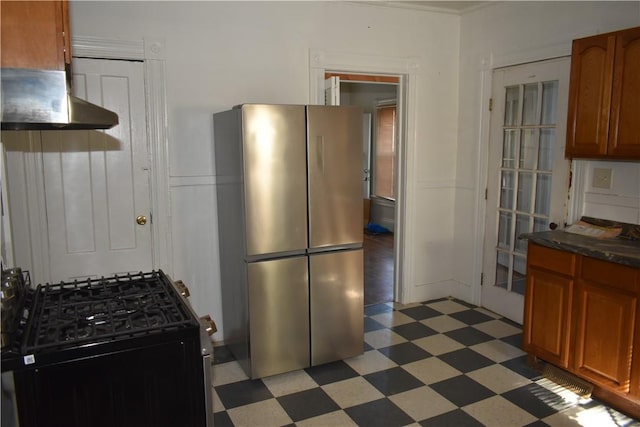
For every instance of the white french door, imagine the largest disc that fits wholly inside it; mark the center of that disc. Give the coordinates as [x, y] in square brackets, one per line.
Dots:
[528, 176]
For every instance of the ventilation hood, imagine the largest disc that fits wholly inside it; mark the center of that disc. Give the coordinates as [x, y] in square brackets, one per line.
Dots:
[40, 100]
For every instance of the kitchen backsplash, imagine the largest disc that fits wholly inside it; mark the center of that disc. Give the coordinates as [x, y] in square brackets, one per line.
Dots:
[619, 202]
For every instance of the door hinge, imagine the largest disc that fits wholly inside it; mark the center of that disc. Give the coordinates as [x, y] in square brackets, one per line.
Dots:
[490, 104]
[150, 217]
[570, 177]
[486, 193]
[481, 279]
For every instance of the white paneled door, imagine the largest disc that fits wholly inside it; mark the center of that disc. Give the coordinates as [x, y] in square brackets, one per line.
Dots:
[96, 183]
[528, 176]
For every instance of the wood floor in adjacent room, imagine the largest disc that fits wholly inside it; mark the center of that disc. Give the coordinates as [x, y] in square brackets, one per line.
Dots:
[378, 268]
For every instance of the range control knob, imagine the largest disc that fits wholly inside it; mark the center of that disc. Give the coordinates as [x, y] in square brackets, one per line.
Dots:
[182, 288]
[210, 325]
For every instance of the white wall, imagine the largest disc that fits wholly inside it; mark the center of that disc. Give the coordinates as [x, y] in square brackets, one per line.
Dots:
[219, 54]
[621, 202]
[508, 33]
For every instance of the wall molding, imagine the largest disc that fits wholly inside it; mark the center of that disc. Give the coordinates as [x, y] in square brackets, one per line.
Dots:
[192, 181]
[575, 204]
[524, 56]
[31, 253]
[6, 239]
[611, 200]
[481, 175]
[438, 184]
[97, 47]
[443, 289]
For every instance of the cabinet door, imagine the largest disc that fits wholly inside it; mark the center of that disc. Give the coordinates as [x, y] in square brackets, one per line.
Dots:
[547, 315]
[35, 34]
[592, 60]
[624, 135]
[606, 304]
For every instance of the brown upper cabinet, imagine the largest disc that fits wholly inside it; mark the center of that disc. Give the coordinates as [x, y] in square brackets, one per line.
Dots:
[604, 97]
[35, 34]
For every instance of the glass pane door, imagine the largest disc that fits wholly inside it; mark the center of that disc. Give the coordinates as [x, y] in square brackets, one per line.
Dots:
[528, 138]
[527, 180]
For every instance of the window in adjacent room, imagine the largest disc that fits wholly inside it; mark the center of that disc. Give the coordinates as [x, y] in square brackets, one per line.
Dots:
[385, 151]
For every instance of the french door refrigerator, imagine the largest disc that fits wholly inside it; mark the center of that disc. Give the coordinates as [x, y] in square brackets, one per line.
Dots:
[289, 195]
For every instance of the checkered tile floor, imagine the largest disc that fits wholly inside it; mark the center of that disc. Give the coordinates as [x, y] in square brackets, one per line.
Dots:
[439, 363]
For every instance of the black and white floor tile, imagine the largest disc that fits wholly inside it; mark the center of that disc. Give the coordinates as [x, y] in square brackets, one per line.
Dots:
[438, 363]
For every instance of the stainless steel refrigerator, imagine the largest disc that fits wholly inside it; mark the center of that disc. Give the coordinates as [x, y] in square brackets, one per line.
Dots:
[289, 194]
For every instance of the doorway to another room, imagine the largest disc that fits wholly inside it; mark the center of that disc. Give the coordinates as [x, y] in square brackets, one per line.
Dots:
[377, 95]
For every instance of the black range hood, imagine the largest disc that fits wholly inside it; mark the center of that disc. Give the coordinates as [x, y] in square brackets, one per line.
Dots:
[40, 100]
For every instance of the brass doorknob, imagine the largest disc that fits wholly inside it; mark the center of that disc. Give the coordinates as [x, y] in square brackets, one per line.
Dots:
[141, 219]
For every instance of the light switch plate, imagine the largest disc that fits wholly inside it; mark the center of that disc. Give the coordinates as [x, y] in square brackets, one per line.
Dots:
[601, 178]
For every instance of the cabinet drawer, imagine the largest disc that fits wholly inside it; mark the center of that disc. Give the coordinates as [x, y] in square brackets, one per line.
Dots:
[608, 273]
[552, 259]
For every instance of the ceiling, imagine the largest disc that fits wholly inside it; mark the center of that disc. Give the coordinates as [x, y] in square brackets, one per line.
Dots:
[448, 6]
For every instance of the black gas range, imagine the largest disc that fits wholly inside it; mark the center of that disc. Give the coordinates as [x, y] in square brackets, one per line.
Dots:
[118, 351]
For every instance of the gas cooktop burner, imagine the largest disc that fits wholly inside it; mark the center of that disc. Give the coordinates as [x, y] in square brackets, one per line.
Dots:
[71, 332]
[107, 309]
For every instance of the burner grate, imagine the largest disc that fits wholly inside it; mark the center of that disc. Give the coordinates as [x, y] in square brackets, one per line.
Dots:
[106, 309]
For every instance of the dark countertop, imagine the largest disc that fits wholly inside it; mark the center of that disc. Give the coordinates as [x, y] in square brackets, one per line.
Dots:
[618, 250]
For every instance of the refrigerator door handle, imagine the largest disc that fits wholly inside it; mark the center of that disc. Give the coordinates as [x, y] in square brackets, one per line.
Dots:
[334, 248]
[320, 152]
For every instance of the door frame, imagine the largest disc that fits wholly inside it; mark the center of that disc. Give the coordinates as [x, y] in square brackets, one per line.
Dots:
[487, 64]
[152, 53]
[321, 61]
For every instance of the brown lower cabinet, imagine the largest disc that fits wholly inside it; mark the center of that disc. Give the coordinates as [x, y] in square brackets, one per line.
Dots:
[581, 314]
